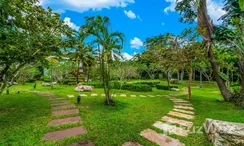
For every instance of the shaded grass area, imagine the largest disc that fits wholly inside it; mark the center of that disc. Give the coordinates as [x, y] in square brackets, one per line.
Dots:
[108, 125]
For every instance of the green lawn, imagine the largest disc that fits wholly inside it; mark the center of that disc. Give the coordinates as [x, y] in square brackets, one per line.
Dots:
[24, 116]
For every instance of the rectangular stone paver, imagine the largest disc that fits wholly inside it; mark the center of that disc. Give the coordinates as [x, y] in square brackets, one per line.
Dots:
[160, 139]
[63, 107]
[94, 95]
[103, 94]
[171, 128]
[113, 95]
[183, 111]
[64, 121]
[182, 104]
[83, 143]
[184, 107]
[132, 95]
[83, 95]
[183, 101]
[188, 124]
[181, 115]
[70, 96]
[66, 112]
[65, 133]
[60, 103]
[130, 143]
[142, 96]
[151, 95]
[123, 95]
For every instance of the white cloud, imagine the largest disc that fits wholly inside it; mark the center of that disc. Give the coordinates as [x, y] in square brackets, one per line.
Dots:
[136, 43]
[71, 24]
[127, 56]
[162, 23]
[130, 14]
[85, 5]
[214, 9]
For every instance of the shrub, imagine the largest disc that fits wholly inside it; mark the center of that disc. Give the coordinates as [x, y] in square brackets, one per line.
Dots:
[131, 87]
[152, 83]
[163, 87]
[95, 84]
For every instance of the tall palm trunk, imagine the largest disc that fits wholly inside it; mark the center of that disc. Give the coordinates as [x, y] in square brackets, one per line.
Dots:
[78, 71]
[205, 28]
[105, 79]
[100, 61]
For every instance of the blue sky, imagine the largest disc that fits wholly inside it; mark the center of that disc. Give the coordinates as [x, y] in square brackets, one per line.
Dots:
[137, 19]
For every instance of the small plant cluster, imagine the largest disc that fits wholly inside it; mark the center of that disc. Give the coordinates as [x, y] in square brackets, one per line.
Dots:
[151, 83]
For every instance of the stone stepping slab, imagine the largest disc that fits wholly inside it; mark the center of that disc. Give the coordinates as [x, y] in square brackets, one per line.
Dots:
[71, 96]
[176, 114]
[123, 95]
[53, 99]
[188, 124]
[151, 95]
[183, 101]
[171, 128]
[183, 111]
[103, 94]
[131, 144]
[160, 139]
[94, 95]
[184, 107]
[142, 95]
[60, 103]
[64, 121]
[63, 107]
[83, 143]
[113, 95]
[65, 112]
[132, 95]
[83, 95]
[65, 133]
[182, 104]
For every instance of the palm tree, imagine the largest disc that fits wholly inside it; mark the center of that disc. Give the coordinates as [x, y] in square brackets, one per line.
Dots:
[82, 53]
[111, 42]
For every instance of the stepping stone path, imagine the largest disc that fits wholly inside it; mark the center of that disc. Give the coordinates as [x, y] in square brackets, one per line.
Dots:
[132, 95]
[63, 108]
[83, 95]
[94, 95]
[142, 96]
[172, 125]
[151, 95]
[123, 95]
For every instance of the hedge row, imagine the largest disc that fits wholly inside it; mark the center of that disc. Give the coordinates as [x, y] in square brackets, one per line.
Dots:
[163, 87]
[152, 84]
[123, 86]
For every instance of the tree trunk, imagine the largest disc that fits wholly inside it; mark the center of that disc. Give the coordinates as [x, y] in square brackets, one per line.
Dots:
[2, 73]
[201, 79]
[194, 75]
[77, 74]
[100, 61]
[178, 75]
[105, 80]
[189, 84]
[221, 84]
[182, 75]
[241, 66]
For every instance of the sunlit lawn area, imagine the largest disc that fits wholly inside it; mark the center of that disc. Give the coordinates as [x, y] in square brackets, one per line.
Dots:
[24, 116]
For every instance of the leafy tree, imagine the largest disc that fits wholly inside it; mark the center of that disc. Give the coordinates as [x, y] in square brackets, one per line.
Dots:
[28, 33]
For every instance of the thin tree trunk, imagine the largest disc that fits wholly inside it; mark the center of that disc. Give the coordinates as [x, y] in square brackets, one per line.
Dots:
[182, 75]
[241, 65]
[100, 61]
[221, 84]
[201, 78]
[189, 84]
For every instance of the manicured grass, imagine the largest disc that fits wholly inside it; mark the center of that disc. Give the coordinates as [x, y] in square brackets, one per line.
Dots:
[24, 116]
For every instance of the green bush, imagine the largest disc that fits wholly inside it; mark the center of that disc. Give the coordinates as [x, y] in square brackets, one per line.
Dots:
[163, 87]
[131, 87]
[150, 83]
[95, 84]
